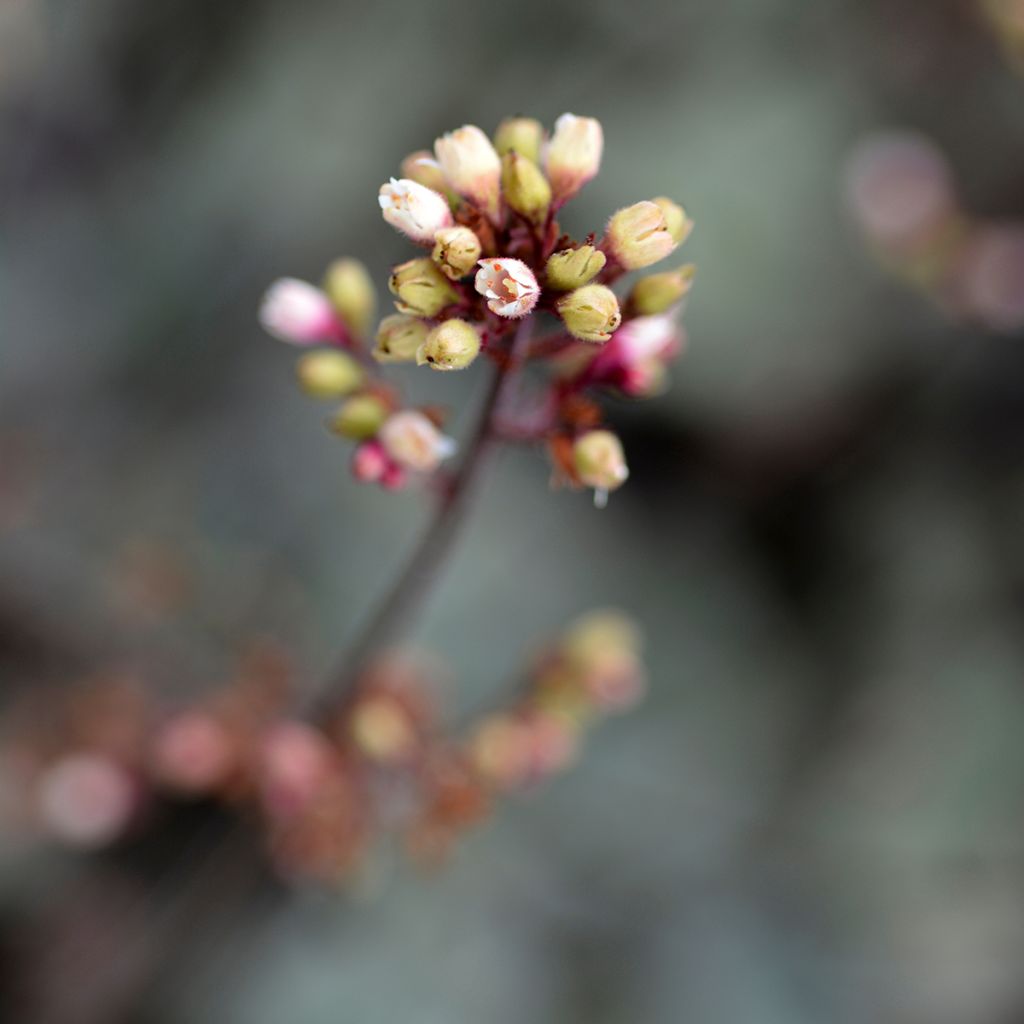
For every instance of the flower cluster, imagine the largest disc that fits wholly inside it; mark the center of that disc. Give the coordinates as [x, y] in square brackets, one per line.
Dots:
[484, 213]
[384, 764]
[901, 191]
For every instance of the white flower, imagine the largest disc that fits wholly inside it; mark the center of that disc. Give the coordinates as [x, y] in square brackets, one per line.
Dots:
[412, 441]
[472, 166]
[508, 285]
[298, 313]
[415, 210]
[573, 155]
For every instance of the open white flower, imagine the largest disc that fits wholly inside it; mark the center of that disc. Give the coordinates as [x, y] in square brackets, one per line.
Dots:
[472, 167]
[297, 312]
[509, 286]
[415, 210]
[413, 442]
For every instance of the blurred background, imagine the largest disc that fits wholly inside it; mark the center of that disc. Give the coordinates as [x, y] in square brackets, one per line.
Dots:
[818, 813]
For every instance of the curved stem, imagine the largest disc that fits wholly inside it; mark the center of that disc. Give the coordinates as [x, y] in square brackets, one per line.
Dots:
[422, 569]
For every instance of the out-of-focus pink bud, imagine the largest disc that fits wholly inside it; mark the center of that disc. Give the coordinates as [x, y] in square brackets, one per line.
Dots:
[193, 753]
[415, 210]
[297, 312]
[86, 799]
[411, 440]
[297, 761]
[554, 743]
[635, 358]
[394, 478]
[369, 462]
[899, 188]
[616, 680]
[573, 155]
[501, 750]
[509, 286]
[471, 166]
[992, 277]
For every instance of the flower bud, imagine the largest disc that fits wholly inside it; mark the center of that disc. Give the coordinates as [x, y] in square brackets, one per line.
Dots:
[298, 313]
[422, 168]
[329, 374]
[399, 338]
[452, 345]
[456, 250]
[678, 224]
[413, 442]
[573, 268]
[500, 750]
[359, 418]
[599, 462]
[590, 313]
[471, 166]
[508, 285]
[420, 288]
[639, 236]
[522, 135]
[574, 155]
[192, 752]
[415, 210]
[351, 290]
[86, 799]
[370, 462]
[660, 292]
[526, 190]
[382, 729]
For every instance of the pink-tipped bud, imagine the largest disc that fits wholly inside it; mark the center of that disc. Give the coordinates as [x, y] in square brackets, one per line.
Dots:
[86, 799]
[370, 462]
[413, 442]
[394, 478]
[192, 753]
[298, 313]
[509, 286]
[415, 210]
[296, 762]
[635, 358]
[472, 167]
[573, 155]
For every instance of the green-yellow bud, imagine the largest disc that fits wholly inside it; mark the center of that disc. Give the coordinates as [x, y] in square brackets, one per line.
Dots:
[360, 417]
[678, 224]
[456, 251]
[329, 374]
[399, 338]
[639, 236]
[573, 268]
[590, 313]
[420, 288]
[452, 345]
[525, 188]
[599, 461]
[522, 135]
[659, 292]
[350, 289]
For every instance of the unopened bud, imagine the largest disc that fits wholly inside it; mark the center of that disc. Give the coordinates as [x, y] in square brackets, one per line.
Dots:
[574, 155]
[639, 236]
[86, 799]
[500, 750]
[351, 290]
[456, 250]
[573, 268]
[382, 730]
[678, 224]
[509, 286]
[359, 418]
[422, 168]
[522, 135]
[526, 190]
[590, 313]
[598, 460]
[329, 374]
[297, 312]
[370, 462]
[415, 210]
[660, 292]
[420, 288]
[452, 345]
[472, 167]
[412, 441]
[399, 338]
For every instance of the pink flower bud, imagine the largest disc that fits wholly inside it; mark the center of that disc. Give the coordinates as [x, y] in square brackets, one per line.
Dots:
[296, 312]
[394, 478]
[297, 761]
[414, 209]
[635, 358]
[509, 286]
[472, 167]
[192, 753]
[573, 155]
[414, 443]
[992, 278]
[86, 799]
[369, 462]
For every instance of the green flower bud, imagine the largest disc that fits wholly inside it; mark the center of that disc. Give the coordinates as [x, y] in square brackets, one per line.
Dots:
[399, 337]
[456, 251]
[590, 313]
[660, 292]
[350, 289]
[452, 345]
[639, 236]
[598, 460]
[522, 135]
[678, 224]
[360, 417]
[420, 288]
[329, 374]
[525, 188]
[573, 268]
